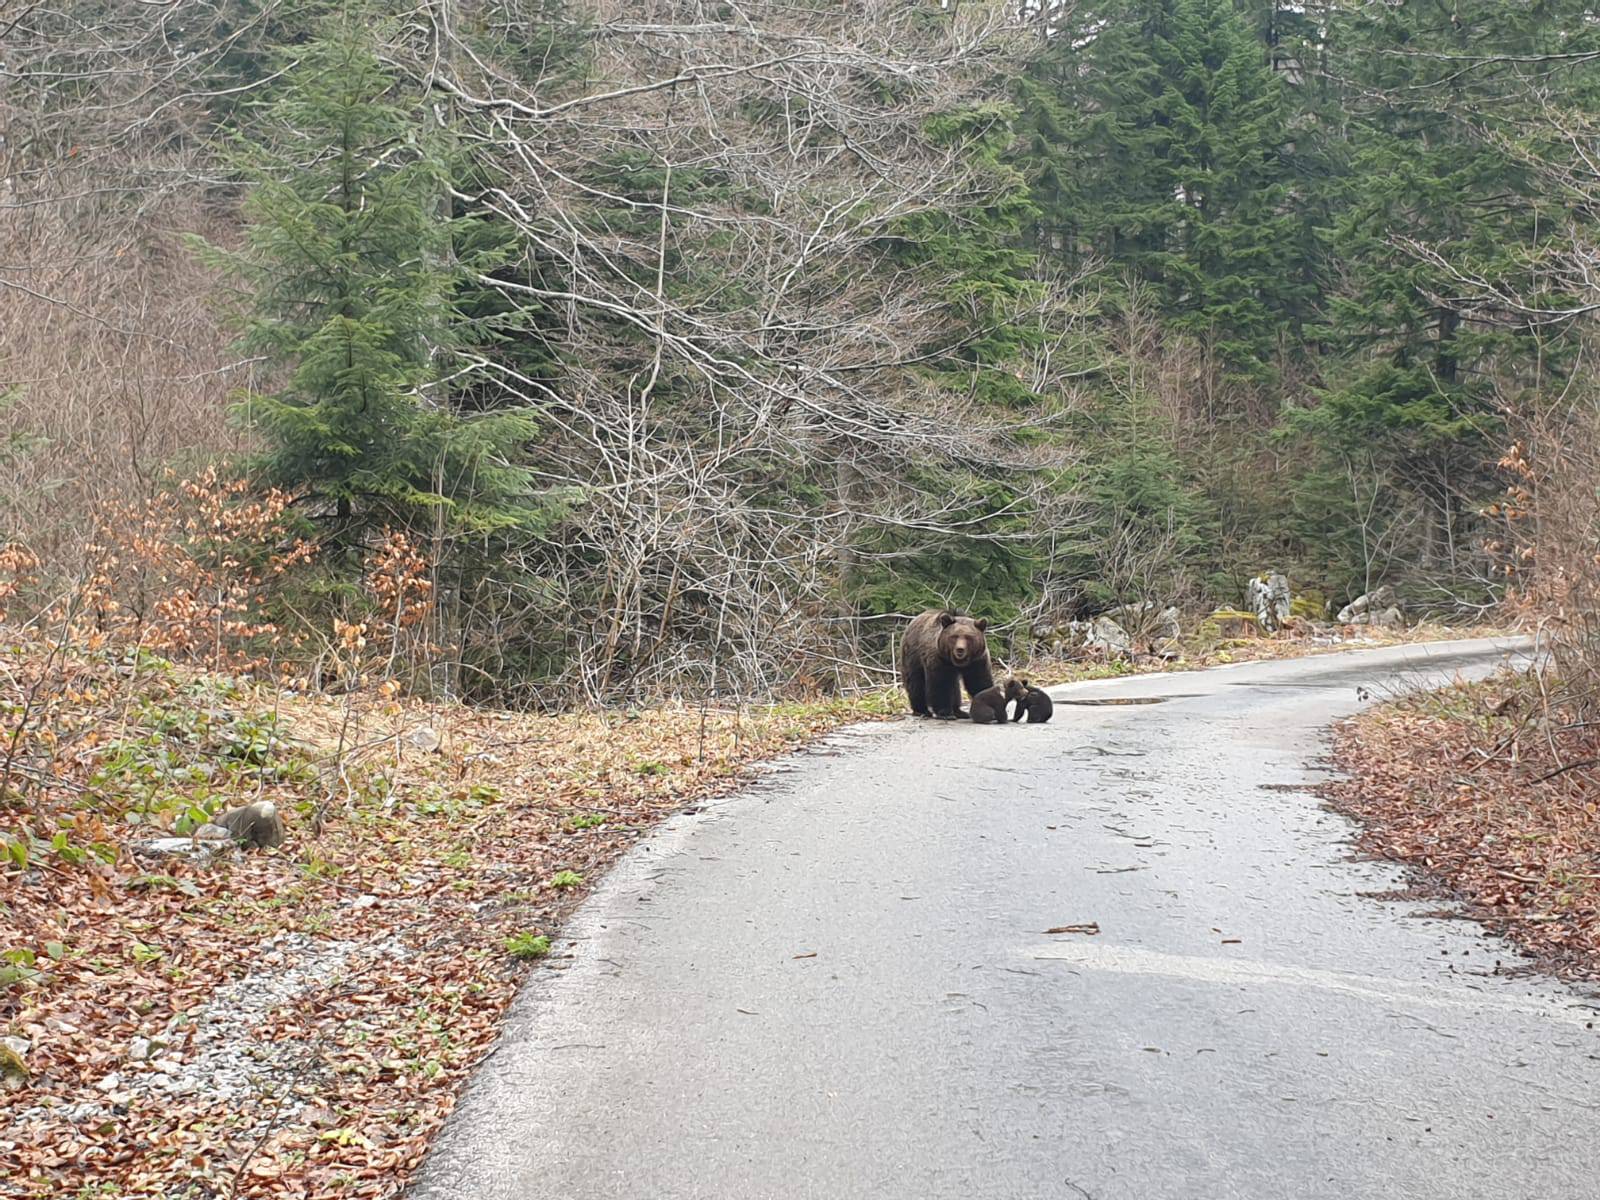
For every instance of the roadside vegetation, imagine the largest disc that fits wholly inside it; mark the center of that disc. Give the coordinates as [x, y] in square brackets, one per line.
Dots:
[1490, 791]
[297, 1021]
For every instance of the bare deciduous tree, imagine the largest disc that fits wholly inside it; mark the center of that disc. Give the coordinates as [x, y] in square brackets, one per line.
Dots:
[719, 285]
[719, 217]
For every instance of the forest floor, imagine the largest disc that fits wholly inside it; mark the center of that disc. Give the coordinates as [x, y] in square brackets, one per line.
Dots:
[299, 1021]
[1492, 794]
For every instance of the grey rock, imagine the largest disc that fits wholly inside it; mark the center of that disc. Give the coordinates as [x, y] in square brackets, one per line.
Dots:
[1359, 611]
[256, 825]
[1389, 618]
[1105, 634]
[425, 739]
[1270, 600]
[1170, 627]
[1146, 620]
[1114, 632]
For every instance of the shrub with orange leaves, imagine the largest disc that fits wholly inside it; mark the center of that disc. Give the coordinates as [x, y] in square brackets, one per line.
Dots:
[194, 573]
[17, 567]
[400, 580]
[205, 572]
[398, 585]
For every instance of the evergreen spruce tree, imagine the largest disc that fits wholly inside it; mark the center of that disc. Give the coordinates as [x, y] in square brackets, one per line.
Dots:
[1421, 130]
[349, 273]
[989, 277]
[1160, 138]
[1163, 148]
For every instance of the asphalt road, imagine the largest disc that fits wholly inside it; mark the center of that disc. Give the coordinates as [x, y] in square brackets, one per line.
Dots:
[838, 983]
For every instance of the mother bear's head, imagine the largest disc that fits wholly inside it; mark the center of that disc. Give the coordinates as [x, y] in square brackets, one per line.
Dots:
[961, 639]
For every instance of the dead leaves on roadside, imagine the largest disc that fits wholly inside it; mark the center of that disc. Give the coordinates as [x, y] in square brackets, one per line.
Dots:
[1496, 801]
[365, 966]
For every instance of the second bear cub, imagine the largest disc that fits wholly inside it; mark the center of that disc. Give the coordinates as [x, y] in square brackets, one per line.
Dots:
[1036, 703]
[989, 705]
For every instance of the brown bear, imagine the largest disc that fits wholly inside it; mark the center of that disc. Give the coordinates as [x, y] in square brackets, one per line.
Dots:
[989, 705]
[940, 652]
[1036, 703]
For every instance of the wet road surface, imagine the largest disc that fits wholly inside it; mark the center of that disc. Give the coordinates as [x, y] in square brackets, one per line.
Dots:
[838, 983]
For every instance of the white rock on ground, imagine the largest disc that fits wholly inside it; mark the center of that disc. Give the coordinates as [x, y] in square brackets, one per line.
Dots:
[1360, 611]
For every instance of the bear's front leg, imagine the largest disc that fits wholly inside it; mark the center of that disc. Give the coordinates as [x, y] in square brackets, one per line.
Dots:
[977, 677]
[946, 694]
[917, 689]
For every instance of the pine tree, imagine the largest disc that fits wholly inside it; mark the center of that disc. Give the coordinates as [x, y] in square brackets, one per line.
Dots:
[349, 274]
[1420, 136]
[1161, 136]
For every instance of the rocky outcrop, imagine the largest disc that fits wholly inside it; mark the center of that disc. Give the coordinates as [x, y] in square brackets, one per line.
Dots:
[1379, 607]
[1118, 632]
[1107, 635]
[1390, 618]
[1271, 601]
[1146, 621]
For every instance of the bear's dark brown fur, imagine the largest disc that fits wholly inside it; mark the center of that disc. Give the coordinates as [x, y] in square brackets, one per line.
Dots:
[940, 652]
[1036, 703]
[989, 705]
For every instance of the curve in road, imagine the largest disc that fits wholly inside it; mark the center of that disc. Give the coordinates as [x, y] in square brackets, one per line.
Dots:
[839, 983]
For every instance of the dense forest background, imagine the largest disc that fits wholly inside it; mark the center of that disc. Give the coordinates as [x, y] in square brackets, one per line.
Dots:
[642, 346]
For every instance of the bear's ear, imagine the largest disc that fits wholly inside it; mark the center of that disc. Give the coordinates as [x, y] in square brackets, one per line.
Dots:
[946, 619]
[982, 623]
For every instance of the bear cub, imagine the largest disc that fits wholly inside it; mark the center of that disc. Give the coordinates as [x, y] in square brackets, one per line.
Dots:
[989, 705]
[1036, 703]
